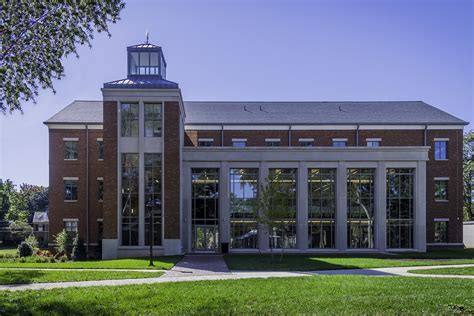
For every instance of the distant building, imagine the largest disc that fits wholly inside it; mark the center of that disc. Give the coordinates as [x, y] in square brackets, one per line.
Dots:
[40, 225]
[365, 176]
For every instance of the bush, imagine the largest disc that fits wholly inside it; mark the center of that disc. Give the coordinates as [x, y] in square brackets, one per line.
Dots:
[63, 258]
[78, 249]
[25, 250]
[32, 241]
[44, 253]
[19, 231]
[63, 242]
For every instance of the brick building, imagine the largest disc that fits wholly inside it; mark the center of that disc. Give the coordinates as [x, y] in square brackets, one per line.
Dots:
[357, 176]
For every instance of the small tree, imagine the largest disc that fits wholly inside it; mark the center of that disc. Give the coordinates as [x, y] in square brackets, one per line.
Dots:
[63, 242]
[32, 241]
[275, 211]
[468, 174]
[19, 231]
[25, 250]
[78, 249]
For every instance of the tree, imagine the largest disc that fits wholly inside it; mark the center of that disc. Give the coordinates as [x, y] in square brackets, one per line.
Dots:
[26, 201]
[6, 190]
[468, 174]
[63, 243]
[36, 35]
[19, 231]
[275, 211]
[78, 249]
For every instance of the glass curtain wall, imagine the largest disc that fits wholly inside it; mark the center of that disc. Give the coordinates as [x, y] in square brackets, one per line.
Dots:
[283, 187]
[243, 208]
[130, 199]
[205, 209]
[153, 199]
[321, 208]
[400, 208]
[360, 208]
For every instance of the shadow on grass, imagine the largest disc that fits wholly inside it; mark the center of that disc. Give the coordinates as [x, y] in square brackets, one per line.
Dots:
[19, 276]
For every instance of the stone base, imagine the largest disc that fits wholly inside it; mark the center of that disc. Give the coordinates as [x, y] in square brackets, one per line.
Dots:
[109, 249]
[173, 247]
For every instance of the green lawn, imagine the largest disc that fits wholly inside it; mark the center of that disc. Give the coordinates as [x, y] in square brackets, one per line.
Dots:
[347, 261]
[316, 294]
[446, 271]
[162, 263]
[7, 251]
[42, 276]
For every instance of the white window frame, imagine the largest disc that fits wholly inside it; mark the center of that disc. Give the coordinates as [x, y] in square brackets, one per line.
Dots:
[447, 187]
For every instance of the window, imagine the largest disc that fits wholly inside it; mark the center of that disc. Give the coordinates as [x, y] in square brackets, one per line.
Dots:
[129, 119]
[239, 143]
[153, 207]
[152, 120]
[360, 208]
[339, 142]
[321, 208]
[441, 150]
[70, 226]
[272, 142]
[373, 142]
[100, 150]
[441, 189]
[100, 189]
[70, 150]
[243, 208]
[70, 190]
[205, 142]
[283, 182]
[129, 200]
[144, 63]
[400, 206]
[441, 231]
[306, 142]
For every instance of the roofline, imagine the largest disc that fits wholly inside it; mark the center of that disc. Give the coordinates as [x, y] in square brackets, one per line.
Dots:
[328, 123]
[73, 123]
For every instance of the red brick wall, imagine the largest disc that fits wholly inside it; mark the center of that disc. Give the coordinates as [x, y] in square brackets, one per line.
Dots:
[255, 138]
[191, 137]
[323, 138]
[60, 168]
[172, 171]
[393, 138]
[110, 170]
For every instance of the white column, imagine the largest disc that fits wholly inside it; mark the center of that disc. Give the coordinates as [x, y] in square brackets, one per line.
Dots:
[341, 213]
[262, 231]
[302, 204]
[380, 207]
[420, 207]
[224, 203]
[141, 174]
[187, 199]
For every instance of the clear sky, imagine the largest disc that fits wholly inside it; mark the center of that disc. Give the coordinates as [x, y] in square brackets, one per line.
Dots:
[288, 50]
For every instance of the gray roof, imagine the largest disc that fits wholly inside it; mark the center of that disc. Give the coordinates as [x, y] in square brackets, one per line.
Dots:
[79, 112]
[40, 217]
[142, 82]
[371, 112]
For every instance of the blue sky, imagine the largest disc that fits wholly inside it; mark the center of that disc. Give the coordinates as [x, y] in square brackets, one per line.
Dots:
[268, 50]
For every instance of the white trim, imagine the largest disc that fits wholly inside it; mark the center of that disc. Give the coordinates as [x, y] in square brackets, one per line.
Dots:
[70, 201]
[441, 219]
[202, 127]
[70, 159]
[205, 139]
[272, 139]
[441, 201]
[339, 139]
[445, 127]
[70, 220]
[323, 127]
[441, 178]
[100, 219]
[391, 127]
[100, 139]
[239, 139]
[75, 126]
[441, 139]
[70, 178]
[306, 140]
[445, 244]
[71, 139]
[310, 127]
[256, 127]
[373, 139]
[100, 178]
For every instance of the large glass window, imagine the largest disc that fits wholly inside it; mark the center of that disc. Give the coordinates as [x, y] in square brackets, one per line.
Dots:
[130, 167]
[360, 208]
[321, 208]
[152, 120]
[70, 150]
[400, 206]
[100, 150]
[70, 190]
[144, 63]
[205, 209]
[153, 198]
[284, 182]
[71, 227]
[243, 208]
[441, 190]
[129, 119]
[441, 232]
[441, 150]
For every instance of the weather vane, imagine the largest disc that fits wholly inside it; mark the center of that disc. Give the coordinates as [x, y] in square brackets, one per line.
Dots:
[147, 36]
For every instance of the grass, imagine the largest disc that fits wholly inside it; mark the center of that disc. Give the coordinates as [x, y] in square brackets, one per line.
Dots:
[7, 251]
[310, 295]
[42, 276]
[446, 271]
[347, 261]
[161, 263]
